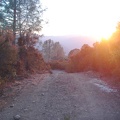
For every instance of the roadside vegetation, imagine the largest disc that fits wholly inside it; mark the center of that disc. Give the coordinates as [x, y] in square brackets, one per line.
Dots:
[19, 20]
[20, 60]
[103, 57]
[59, 64]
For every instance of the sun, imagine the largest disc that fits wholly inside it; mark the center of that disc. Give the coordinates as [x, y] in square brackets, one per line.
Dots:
[82, 27]
[93, 18]
[103, 33]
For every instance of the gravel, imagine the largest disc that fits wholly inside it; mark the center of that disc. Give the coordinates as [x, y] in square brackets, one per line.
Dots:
[63, 96]
[17, 117]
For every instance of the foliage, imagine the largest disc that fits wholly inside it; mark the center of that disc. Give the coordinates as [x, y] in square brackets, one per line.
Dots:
[30, 60]
[28, 40]
[103, 57]
[58, 64]
[80, 61]
[8, 57]
[47, 49]
[52, 51]
[21, 16]
[58, 51]
[18, 60]
[73, 52]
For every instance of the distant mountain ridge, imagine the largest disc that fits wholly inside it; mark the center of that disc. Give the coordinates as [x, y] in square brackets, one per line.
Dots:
[70, 42]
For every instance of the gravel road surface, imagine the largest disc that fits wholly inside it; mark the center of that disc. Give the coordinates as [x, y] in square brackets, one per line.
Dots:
[64, 96]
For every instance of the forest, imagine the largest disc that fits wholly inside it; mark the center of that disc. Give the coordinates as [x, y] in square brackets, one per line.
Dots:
[20, 20]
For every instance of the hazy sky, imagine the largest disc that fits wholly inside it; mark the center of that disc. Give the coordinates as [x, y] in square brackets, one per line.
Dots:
[96, 18]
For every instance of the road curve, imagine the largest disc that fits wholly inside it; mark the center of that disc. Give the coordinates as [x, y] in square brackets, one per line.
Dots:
[65, 96]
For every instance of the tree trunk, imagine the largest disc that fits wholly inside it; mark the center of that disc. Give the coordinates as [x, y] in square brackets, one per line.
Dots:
[14, 22]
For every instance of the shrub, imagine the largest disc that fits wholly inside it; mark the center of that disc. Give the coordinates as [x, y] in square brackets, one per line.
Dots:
[58, 64]
[8, 58]
[30, 60]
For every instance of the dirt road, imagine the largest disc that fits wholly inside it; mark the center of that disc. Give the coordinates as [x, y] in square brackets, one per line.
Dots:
[65, 96]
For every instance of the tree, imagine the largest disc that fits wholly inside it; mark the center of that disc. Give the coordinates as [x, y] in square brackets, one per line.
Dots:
[47, 49]
[8, 56]
[52, 51]
[58, 51]
[30, 16]
[21, 16]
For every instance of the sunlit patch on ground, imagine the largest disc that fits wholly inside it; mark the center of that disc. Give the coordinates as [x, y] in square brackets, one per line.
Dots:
[102, 85]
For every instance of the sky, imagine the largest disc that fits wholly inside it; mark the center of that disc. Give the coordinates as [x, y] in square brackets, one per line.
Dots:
[94, 18]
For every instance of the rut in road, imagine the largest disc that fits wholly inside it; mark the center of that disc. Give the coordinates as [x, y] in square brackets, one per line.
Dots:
[65, 96]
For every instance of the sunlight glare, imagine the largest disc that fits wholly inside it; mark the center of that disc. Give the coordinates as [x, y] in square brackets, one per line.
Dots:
[96, 18]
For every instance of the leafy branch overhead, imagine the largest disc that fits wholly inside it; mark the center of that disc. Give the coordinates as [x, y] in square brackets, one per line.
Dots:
[21, 16]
